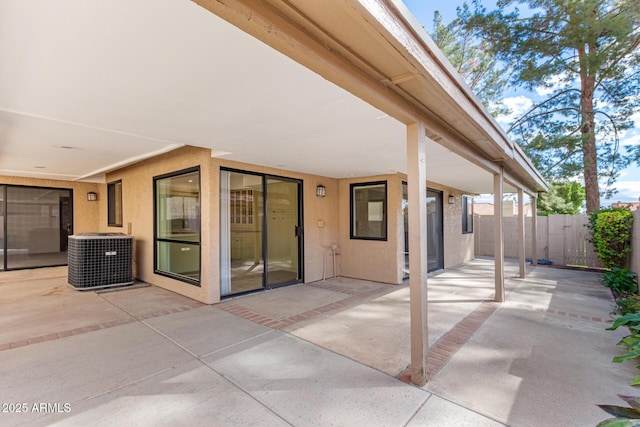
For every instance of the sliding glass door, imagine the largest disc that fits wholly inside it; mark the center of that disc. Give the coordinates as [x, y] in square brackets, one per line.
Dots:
[435, 236]
[260, 238]
[435, 247]
[36, 223]
[283, 231]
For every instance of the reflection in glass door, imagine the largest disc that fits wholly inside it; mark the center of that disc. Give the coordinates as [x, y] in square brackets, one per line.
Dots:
[241, 218]
[283, 232]
[405, 240]
[3, 248]
[435, 253]
[259, 243]
[435, 240]
[36, 223]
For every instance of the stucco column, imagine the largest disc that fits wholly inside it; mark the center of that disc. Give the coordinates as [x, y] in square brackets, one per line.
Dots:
[534, 230]
[498, 243]
[521, 236]
[417, 191]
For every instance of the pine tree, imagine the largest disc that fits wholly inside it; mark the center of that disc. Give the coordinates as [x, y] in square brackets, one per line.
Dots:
[472, 59]
[584, 54]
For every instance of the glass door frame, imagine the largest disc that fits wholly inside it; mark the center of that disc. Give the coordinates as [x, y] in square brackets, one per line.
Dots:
[405, 248]
[299, 232]
[439, 196]
[4, 189]
[265, 233]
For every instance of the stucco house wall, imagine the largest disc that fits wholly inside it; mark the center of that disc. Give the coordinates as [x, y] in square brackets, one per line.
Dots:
[375, 260]
[137, 216]
[383, 260]
[85, 213]
[458, 246]
[137, 199]
[326, 221]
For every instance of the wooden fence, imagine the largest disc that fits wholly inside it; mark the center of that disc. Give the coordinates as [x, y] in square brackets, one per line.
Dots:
[562, 239]
[635, 243]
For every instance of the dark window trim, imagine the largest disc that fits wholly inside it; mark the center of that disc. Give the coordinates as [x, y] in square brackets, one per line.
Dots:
[441, 234]
[354, 185]
[5, 226]
[155, 229]
[109, 223]
[5, 230]
[440, 207]
[466, 227]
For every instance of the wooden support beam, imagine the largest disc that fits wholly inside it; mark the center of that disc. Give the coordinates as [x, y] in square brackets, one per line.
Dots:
[417, 192]
[498, 184]
[534, 230]
[521, 235]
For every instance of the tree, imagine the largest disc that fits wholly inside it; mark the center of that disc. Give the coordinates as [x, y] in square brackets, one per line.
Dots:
[472, 58]
[562, 198]
[584, 55]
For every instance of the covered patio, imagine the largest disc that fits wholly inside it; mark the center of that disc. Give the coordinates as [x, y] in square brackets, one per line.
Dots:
[364, 320]
[148, 355]
[325, 93]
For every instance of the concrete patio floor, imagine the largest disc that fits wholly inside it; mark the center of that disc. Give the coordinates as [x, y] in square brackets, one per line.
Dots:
[325, 353]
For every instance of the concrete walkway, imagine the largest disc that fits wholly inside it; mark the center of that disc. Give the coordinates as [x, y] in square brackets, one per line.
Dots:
[321, 354]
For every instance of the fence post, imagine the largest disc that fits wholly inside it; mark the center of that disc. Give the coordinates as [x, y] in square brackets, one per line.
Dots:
[534, 230]
[521, 242]
[635, 243]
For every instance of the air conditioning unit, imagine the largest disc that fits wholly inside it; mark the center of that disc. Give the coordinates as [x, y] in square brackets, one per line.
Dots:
[100, 260]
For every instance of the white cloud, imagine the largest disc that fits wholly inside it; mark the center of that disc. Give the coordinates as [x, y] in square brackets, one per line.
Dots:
[518, 106]
[556, 82]
[627, 139]
[628, 191]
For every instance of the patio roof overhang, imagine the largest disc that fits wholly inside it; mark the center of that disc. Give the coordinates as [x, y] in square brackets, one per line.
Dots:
[318, 87]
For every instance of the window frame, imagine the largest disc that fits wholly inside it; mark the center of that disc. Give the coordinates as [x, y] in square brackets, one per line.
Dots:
[467, 202]
[156, 239]
[111, 199]
[352, 210]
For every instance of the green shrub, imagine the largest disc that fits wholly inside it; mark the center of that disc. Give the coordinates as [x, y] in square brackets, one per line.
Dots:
[621, 281]
[624, 416]
[611, 235]
[631, 341]
[629, 304]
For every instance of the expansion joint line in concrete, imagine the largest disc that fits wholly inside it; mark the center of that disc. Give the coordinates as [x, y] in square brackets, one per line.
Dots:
[227, 378]
[270, 322]
[441, 352]
[104, 325]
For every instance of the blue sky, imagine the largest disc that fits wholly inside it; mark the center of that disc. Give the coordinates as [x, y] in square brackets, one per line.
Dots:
[628, 185]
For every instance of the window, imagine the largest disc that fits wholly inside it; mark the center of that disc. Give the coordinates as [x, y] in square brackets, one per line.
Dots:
[241, 206]
[467, 214]
[369, 211]
[177, 225]
[114, 204]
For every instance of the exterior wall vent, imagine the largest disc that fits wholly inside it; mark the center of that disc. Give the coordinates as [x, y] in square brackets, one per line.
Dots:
[100, 260]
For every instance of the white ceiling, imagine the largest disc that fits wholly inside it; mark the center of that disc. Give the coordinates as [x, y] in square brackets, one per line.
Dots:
[86, 87]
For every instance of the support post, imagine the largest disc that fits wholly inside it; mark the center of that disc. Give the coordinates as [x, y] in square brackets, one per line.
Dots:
[534, 230]
[417, 192]
[521, 235]
[498, 243]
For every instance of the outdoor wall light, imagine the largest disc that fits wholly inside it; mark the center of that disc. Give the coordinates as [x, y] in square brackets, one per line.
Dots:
[91, 196]
[321, 191]
[451, 199]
